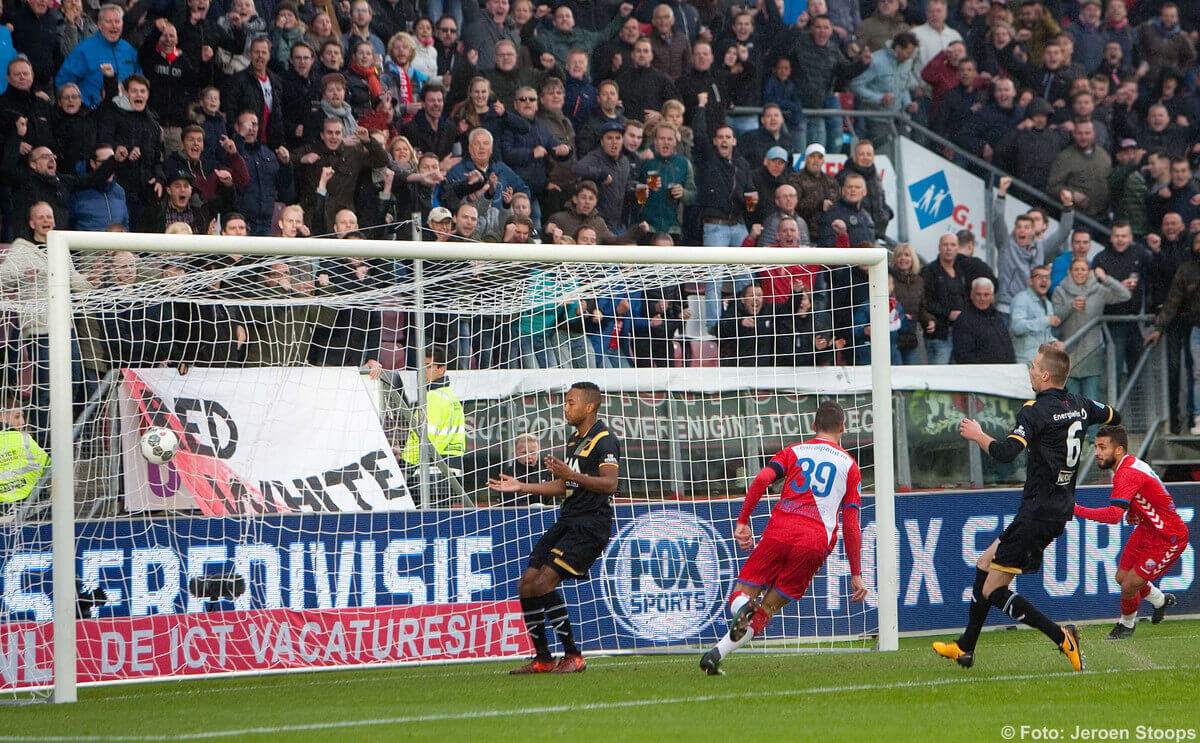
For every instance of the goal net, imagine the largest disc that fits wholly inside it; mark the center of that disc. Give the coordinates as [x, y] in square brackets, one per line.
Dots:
[328, 505]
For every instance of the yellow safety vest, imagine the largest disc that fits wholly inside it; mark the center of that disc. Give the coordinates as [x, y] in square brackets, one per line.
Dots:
[445, 426]
[22, 462]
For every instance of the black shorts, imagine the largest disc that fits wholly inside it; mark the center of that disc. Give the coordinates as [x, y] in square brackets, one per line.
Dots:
[1022, 543]
[571, 545]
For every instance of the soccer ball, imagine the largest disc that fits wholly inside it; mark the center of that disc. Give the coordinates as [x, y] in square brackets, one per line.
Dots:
[159, 445]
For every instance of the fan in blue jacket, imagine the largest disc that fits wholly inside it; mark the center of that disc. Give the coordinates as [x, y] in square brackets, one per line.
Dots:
[96, 56]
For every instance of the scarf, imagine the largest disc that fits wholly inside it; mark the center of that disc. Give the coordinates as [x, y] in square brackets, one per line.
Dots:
[1168, 32]
[405, 84]
[894, 319]
[349, 123]
[1118, 26]
[371, 76]
[426, 42]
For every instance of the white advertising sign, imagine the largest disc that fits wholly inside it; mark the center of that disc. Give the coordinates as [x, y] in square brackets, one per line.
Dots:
[264, 440]
[941, 197]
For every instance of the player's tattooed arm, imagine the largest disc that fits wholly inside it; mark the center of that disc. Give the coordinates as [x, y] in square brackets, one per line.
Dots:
[605, 482]
[1002, 451]
[510, 484]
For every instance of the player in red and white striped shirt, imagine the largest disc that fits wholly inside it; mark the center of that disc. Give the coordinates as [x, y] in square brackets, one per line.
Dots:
[821, 483]
[1158, 539]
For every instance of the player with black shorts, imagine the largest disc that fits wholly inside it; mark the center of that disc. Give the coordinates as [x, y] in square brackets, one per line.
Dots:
[587, 480]
[1052, 428]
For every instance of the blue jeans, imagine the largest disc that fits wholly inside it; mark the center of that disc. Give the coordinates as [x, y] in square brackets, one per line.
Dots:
[1088, 387]
[572, 349]
[1195, 349]
[537, 351]
[495, 338]
[85, 380]
[609, 358]
[742, 124]
[939, 351]
[723, 235]
[712, 291]
[824, 130]
[1127, 340]
[908, 357]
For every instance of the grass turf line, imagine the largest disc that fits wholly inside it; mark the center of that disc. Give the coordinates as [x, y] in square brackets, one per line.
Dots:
[909, 695]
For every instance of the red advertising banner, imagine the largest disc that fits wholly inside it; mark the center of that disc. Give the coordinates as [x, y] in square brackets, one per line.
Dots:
[222, 642]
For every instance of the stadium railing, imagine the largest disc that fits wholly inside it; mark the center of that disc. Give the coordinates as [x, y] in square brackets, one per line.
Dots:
[902, 124]
[1142, 397]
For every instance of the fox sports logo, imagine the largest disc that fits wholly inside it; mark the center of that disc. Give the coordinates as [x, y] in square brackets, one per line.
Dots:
[665, 575]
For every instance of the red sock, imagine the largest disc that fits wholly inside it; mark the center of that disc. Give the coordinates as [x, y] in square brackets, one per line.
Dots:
[1145, 591]
[759, 621]
[1129, 605]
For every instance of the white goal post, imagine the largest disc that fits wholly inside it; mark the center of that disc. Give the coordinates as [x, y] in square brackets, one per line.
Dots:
[61, 244]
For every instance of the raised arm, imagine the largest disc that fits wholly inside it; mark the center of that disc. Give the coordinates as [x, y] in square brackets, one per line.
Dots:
[1002, 451]
[509, 484]
[606, 482]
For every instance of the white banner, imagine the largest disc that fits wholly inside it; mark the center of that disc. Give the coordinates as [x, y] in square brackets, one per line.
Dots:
[941, 197]
[274, 439]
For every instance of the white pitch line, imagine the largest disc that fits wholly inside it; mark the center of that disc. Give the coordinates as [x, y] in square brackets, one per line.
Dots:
[617, 661]
[374, 678]
[493, 713]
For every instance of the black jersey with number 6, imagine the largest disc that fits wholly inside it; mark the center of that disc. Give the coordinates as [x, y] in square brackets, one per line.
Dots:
[585, 454]
[1052, 428]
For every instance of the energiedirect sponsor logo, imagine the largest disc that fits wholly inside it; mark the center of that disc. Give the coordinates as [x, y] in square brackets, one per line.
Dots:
[665, 575]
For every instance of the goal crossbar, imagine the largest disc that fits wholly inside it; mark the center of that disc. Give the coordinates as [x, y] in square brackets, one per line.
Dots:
[61, 243]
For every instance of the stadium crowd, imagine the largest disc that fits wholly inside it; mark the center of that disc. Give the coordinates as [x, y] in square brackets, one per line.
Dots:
[605, 122]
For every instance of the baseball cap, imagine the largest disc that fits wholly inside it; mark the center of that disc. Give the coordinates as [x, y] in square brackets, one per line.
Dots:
[1127, 144]
[816, 147]
[778, 153]
[611, 126]
[181, 176]
[439, 214]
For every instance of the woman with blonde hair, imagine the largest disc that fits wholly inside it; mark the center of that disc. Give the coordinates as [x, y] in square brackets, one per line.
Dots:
[479, 109]
[403, 156]
[905, 269]
[1078, 300]
[401, 52]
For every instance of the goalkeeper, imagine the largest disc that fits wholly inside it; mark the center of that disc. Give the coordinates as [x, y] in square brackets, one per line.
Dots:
[588, 480]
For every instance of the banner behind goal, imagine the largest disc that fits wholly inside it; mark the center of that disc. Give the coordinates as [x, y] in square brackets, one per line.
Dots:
[328, 505]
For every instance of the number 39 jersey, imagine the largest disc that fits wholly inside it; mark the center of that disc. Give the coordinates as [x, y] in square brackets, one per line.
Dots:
[819, 478]
[1052, 428]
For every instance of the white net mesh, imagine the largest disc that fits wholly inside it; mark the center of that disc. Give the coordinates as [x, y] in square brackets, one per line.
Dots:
[305, 521]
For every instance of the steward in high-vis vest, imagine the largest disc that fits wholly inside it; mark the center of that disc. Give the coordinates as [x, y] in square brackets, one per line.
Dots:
[22, 461]
[445, 423]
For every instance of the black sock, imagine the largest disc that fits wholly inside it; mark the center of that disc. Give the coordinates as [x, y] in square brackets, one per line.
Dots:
[556, 616]
[976, 614]
[1018, 607]
[533, 611]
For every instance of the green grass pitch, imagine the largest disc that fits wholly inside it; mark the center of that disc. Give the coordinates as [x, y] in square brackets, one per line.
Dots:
[911, 695]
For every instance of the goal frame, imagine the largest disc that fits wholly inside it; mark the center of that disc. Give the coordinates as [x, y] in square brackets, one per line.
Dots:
[60, 243]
